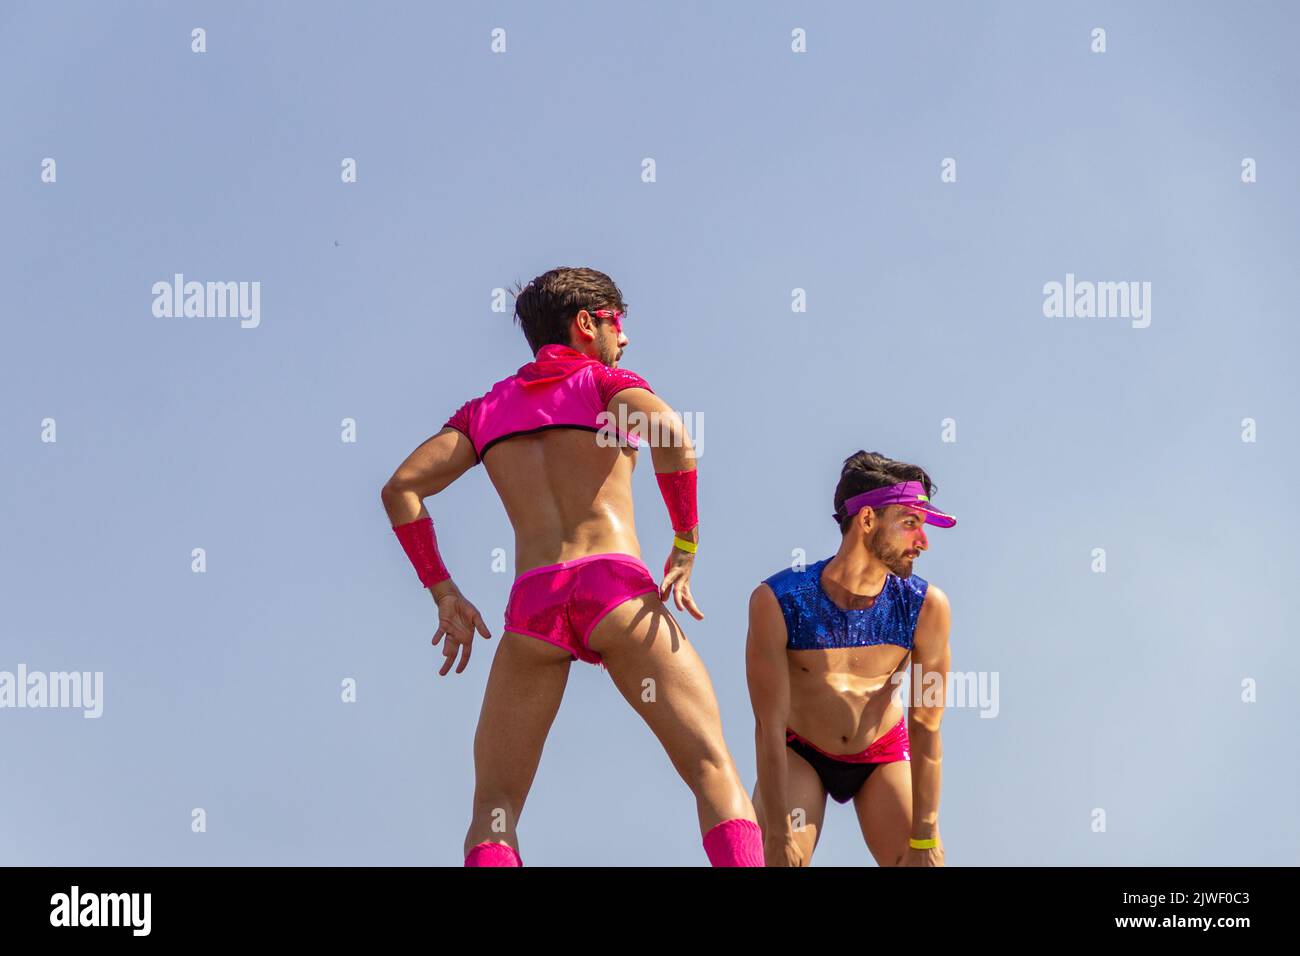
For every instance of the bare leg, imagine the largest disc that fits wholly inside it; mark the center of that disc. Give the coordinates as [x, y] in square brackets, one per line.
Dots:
[523, 695]
[805, 804]
[884, 807]
[664, 680]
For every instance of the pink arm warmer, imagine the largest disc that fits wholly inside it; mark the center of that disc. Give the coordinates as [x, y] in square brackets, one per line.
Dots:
[421, 547]
[678, 488]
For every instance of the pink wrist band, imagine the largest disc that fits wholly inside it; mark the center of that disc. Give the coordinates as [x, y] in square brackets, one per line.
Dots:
[678, 488]
[421, 546]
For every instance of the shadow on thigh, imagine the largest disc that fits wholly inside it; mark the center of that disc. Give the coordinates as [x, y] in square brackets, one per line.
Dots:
[639, 629]
[657, 670]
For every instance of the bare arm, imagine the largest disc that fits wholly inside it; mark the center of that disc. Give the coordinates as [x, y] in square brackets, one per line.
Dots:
[932, 655]
[654, 421]
[769, 695]
[429, 469]
[426, 471]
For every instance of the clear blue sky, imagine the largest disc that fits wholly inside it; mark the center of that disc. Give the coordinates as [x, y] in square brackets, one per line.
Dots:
[775, 171]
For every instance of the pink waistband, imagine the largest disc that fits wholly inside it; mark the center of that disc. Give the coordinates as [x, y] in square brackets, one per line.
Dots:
[890, 746]
[574, 562]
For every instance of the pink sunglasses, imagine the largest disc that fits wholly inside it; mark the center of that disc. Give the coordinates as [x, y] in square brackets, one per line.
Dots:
[615, 319]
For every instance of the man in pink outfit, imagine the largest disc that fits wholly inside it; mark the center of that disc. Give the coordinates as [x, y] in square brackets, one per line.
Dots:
[563, 473]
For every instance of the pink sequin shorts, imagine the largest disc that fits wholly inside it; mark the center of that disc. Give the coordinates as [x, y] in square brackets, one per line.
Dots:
[562, 603]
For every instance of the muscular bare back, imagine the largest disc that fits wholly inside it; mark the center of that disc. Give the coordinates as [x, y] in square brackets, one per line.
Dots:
[565, 495]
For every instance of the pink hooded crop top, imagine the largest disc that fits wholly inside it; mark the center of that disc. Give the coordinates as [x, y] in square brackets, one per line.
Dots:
[561, 388]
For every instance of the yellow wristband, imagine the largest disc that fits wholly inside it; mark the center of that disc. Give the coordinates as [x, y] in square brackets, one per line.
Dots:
[682, 544]
[916, 844]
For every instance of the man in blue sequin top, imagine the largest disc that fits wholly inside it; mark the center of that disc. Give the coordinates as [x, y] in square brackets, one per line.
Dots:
[828, 645]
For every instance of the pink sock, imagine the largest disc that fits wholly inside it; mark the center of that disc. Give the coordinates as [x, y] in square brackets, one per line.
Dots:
[735, 843]
[493, 854]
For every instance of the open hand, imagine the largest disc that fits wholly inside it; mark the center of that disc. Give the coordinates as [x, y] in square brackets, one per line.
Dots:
[677, 581]
[458, 619]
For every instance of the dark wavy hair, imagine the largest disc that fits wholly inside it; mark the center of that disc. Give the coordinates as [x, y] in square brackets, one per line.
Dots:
[868, 470]
[545, 308]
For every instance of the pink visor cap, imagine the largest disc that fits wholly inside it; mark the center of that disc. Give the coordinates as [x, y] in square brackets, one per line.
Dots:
[909, 493]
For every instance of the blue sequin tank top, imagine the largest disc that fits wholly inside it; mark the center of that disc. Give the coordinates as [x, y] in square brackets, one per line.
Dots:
[813, 622]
